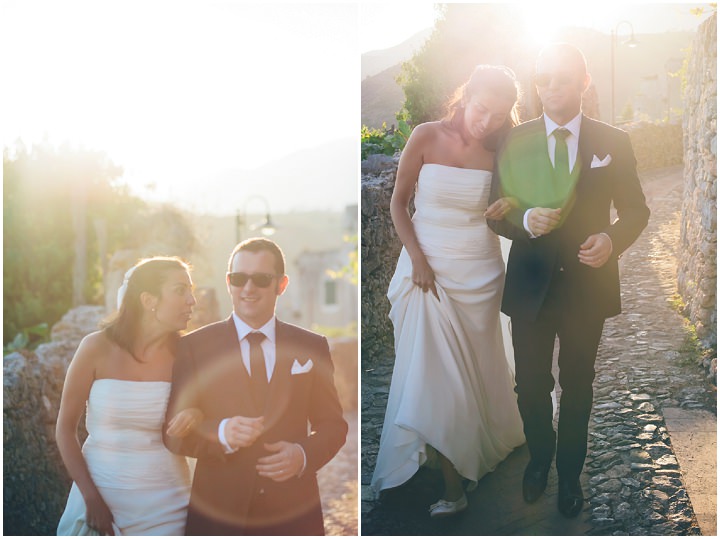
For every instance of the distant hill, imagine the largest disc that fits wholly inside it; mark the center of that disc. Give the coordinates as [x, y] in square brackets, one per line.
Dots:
[381, 96]
[640, 74]
[373, 62]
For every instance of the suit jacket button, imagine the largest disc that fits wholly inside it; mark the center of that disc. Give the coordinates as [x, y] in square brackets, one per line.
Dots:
[562, 269]
[262, 491]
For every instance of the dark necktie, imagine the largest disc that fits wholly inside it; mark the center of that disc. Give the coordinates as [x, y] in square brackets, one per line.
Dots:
[562, 160]
[258, 372]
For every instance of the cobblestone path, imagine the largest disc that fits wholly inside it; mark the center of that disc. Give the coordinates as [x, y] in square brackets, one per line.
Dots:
[632, 480]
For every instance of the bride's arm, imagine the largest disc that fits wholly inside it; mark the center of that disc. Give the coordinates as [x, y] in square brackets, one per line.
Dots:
[184, 421]
[78, 380]
[411, 162]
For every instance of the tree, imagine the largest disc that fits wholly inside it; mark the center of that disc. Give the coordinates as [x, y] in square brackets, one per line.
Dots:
[39, 238]
[465, 35]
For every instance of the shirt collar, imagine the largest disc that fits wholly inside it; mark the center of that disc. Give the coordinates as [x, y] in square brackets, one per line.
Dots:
[243, 329]
[573, 125]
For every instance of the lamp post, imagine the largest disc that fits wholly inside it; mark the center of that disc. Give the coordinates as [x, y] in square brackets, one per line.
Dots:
[631, 42]
[267, 228]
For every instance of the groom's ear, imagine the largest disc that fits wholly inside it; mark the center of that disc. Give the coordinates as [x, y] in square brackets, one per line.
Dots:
[282, 284]
[586, 82]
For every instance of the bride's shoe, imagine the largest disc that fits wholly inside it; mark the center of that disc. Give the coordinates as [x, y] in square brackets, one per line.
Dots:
[444, 508]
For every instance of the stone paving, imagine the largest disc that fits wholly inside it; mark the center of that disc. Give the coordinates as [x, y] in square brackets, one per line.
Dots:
[632, 481]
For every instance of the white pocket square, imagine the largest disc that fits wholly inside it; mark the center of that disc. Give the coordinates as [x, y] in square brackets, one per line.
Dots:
[301, 369]
[596, 163]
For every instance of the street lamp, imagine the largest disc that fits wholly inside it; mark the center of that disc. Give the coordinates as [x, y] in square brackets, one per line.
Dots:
[266, 227]
[631, 42]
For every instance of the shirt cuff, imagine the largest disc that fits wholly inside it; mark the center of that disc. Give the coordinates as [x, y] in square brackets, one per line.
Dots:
[526, 226]
[221, 437]
[609, 238]
[302, 471]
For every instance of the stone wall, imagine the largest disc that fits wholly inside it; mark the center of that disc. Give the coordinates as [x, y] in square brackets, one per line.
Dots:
[697, 271]
[35, 484]
[344, 352]
[379, 251]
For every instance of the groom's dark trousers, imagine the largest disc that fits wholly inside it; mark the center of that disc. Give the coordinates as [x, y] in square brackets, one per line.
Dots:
[548, 292]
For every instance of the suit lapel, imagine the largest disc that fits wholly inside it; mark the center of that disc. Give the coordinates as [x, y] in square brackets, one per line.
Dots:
[585, 146]
[279, 389]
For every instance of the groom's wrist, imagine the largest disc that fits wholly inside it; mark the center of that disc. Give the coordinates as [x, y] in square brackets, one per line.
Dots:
[526, 224]
[221, 437]
[304, 456]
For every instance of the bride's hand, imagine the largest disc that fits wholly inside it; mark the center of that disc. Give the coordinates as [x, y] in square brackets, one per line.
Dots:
[424, 277]
[183, 422]
[98, 515]
[498, 209]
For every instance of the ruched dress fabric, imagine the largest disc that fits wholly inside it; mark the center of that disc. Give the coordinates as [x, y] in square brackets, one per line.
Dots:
[452, 385]
[146, 487]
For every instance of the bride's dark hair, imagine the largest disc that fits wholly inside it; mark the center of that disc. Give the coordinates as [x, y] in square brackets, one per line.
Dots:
[148, 275]
[499, 81]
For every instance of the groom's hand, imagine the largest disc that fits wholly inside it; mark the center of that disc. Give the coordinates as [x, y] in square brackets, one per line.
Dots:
[596, 250]
[243, 431]
[287, 460]
[542, 221]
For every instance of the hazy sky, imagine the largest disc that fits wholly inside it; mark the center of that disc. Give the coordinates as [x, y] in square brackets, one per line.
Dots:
[384, 25]
[177, 90]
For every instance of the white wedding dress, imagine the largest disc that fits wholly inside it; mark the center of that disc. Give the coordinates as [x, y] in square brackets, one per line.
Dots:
[452, 386]
[146, 487]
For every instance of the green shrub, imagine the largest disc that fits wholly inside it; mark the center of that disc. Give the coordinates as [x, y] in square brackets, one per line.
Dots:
[384, 141]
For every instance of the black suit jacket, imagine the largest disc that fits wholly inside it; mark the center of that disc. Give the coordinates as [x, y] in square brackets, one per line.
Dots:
[523, 163]
[227, 494]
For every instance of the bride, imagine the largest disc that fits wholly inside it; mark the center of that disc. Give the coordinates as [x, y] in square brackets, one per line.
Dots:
[125, 481]
[452, 386]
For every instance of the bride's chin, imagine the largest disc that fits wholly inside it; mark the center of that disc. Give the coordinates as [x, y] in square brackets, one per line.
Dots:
[479, 136]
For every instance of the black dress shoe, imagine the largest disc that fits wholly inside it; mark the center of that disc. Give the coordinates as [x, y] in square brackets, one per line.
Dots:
[535, 480]
[570, 498]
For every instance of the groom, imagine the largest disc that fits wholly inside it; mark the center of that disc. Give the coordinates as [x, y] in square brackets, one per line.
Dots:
[271, 417]
[564, 170]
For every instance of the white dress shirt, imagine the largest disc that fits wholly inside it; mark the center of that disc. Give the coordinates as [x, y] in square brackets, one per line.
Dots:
[572, 141]
[268, 347]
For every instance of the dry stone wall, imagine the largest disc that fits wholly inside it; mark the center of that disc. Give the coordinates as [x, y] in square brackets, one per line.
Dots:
[379, 251]
[35, 484]
[697, 271]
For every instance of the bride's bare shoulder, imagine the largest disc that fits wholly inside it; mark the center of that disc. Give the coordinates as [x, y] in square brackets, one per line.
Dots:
[96, 344]
[429, 133]
[429, 129]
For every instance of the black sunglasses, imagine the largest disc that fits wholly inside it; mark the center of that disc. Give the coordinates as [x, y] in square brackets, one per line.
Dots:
[544, 79]
[261, 280]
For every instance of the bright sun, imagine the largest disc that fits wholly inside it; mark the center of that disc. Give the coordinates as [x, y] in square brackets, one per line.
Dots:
[544, 20]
